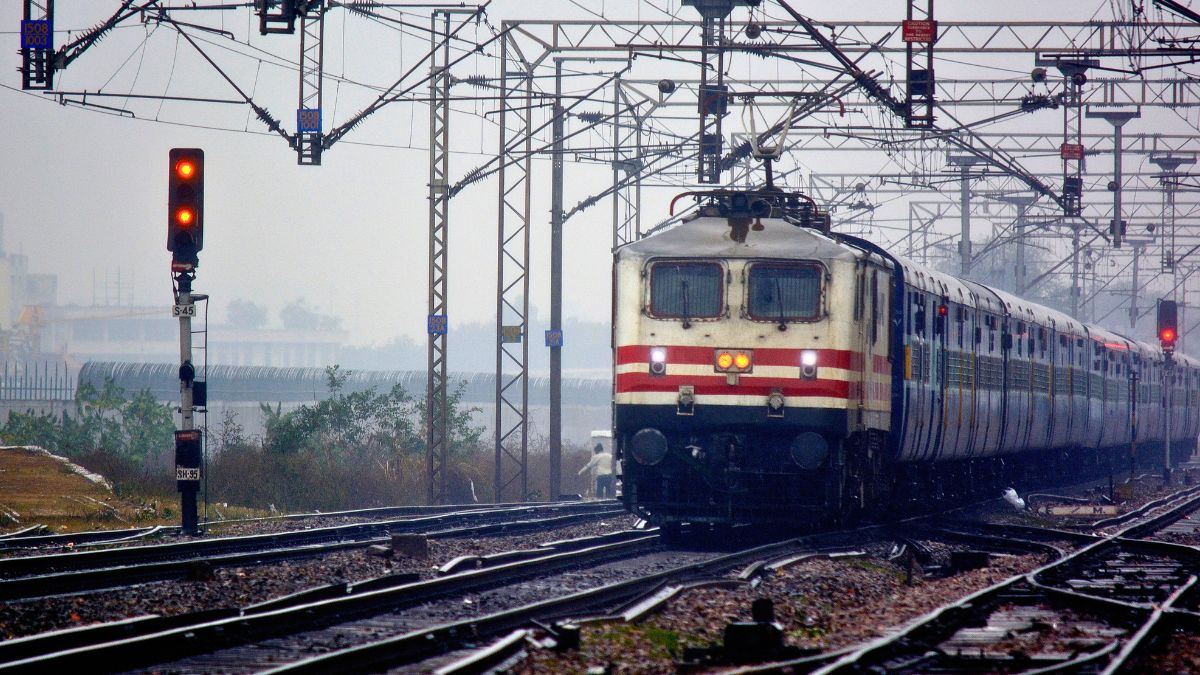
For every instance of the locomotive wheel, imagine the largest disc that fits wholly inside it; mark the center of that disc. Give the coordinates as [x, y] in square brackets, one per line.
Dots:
[671, 533]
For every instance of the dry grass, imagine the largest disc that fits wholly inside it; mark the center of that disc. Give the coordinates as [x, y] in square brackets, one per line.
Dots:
[39, 489]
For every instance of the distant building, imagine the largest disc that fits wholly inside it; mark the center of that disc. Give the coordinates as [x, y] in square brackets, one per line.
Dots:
[35, 328]
[150, 335]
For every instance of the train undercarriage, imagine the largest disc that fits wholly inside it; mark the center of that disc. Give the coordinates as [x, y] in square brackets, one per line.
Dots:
[737, 476]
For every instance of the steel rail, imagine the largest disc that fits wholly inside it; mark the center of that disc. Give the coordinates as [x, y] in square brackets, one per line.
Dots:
[128, 575]
[145, 642]
[944, 621]
[61, 562]
[412, 646]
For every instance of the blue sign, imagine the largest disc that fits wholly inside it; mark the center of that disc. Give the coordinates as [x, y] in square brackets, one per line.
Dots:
[37, 34]
[554, 338]
[437, 324]
[308, 120]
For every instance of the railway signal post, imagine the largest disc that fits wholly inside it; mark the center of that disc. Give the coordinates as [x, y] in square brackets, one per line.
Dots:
[1168, 333]
[185, 238]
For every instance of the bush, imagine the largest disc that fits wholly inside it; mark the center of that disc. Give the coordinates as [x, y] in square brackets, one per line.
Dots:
[350, 450]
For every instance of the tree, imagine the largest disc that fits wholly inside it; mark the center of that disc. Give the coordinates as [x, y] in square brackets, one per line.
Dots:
[130, 427]
[246, 314]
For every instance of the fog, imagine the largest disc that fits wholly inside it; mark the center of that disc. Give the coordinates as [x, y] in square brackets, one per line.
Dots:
[82, 190]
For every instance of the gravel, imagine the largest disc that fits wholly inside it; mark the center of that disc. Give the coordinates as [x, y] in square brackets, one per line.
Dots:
[1180, 653]
[822, 604]
[251, 658]
[240, 586]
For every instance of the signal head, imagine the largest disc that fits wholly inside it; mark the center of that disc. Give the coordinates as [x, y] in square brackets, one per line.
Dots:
[185, 204]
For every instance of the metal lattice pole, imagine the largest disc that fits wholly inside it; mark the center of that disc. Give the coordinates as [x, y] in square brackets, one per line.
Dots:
[512, 274]
[37, 63]
[309, 139]
[627, 164]
[437, 443]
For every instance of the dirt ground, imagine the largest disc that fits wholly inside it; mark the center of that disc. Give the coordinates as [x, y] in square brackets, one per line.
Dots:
[39, 489]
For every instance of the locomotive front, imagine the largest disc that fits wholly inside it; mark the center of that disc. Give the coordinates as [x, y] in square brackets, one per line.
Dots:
[745, 358]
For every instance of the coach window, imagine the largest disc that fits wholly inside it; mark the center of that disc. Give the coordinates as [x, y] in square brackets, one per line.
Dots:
[783, 292]
[686, 290]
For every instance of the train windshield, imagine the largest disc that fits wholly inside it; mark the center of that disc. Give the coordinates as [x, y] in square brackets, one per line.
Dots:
[686, 290]
[785, 292]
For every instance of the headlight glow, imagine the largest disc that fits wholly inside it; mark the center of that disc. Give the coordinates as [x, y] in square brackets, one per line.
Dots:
[658, 355]
[808, 357]
[742, 360]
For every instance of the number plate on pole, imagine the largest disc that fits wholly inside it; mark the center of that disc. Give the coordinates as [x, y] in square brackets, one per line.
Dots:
[187, 473]
[183, 310]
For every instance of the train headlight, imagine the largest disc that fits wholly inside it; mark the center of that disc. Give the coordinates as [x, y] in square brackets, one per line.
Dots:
[809, 450]
[658, 361]
[808, 364]
[733, 360]
[648, 447]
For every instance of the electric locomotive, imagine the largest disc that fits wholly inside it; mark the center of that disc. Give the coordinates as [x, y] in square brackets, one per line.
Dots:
[768, 369]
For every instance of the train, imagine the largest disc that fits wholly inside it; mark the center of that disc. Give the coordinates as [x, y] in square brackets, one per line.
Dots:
[769, 369]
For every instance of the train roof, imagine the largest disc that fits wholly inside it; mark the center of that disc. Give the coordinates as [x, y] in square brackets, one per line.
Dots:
[708, 236]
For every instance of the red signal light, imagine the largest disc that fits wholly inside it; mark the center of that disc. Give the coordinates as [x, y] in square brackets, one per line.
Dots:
[185, 169]
[185, 216]
[1167, 335]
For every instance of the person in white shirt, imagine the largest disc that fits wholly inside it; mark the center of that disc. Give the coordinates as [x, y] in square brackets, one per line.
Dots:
[601, 466]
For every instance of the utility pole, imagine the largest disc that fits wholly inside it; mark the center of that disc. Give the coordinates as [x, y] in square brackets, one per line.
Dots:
[1118, 119]
[713, 101]
[964, 164]
[1169, 179]
[1133, 286]
[1022, 203]
[1076, 291]
[554, 337]
[437, 440]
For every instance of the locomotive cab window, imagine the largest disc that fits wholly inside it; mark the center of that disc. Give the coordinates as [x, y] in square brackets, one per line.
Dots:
[686, 290]
[783, 292]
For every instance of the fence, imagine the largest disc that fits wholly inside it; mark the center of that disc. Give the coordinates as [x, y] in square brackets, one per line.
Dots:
[37, 381]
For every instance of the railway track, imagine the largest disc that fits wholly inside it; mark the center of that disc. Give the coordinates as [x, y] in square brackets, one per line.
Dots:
[38, 536]
[34, 576]
[1095, 609]
[416, 645]
[148, 641]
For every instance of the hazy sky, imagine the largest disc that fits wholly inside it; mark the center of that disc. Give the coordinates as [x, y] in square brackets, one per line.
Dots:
[83, 193]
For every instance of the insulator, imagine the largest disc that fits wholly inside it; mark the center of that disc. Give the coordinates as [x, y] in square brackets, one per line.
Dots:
[478, 80]
[360, 6]
[590, 117]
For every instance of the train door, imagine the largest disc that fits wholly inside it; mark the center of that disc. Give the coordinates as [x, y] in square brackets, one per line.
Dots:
[971, 338]
[989, 386]
[1096, 394]
[1081, 418]
[953, 387]
[1064, 389]
[1044, 385]
[1029, 364]
[937, 376]
[861, 349]
[1006, 431]
[920, 402]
